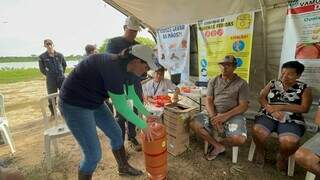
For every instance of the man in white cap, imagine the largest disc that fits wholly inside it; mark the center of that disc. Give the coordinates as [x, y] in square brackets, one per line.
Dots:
[131, 28]
[115, 46]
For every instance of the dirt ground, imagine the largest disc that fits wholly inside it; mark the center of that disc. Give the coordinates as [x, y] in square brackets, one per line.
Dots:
[24, 115]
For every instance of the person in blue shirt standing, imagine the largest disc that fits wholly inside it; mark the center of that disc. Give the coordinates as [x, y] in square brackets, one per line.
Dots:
[115, 46]
[53, 65]
[82, 104]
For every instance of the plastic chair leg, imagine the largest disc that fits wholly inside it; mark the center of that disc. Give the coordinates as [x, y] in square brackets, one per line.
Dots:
[47, 153]
[8, 137]
[206, 147]
[251, 150]
[310, 176]
[55, 146]
[3, 137]
[235, 151]
[291, 163]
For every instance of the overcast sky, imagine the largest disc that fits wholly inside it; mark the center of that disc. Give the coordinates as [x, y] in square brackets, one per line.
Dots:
[70, 23]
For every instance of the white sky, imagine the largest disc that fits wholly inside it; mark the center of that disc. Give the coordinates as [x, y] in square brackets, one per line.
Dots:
[71, 24]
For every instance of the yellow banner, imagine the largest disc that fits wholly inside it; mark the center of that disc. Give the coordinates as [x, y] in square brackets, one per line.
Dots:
[230, 35]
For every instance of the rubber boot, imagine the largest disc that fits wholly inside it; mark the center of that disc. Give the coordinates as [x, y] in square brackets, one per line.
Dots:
[124, 167]
[82, 176]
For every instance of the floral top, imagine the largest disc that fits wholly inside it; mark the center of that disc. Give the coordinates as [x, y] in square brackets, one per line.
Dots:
[277, 95]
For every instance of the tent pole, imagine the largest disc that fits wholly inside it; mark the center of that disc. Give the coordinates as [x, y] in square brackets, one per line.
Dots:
[265, 43]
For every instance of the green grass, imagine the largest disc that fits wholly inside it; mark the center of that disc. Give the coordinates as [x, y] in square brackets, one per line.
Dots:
[18, 75]
[33, 58]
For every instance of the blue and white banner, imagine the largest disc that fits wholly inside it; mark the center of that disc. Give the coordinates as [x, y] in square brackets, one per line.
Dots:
[173, 44]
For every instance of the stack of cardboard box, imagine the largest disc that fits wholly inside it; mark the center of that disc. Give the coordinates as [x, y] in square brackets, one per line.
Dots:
[176, 118]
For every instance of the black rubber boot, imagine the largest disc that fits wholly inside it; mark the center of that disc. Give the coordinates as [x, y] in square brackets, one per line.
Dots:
[82, 176]
[124, 167]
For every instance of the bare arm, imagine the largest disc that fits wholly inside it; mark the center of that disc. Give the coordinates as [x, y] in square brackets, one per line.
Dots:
[240, 109]
[176, 95]
[149, 99]
[298, 108]
[210, 106]
[263, 96]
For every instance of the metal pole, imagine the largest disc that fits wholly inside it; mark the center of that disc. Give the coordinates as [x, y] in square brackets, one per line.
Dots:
[264, 39]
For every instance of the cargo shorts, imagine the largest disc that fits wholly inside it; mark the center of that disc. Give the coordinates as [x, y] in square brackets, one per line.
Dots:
[232, 127]
[313, 144]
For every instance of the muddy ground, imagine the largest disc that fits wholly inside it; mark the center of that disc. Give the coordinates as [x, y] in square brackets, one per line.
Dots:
[25, 120]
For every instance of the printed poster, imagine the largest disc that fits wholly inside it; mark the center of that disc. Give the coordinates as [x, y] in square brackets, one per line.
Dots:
[301, 40]
[173, 44]
[218, 37]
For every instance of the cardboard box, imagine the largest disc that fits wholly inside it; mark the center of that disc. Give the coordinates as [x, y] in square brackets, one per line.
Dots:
[175, 128]
[177, 145]
[177, 110]
[176, 118]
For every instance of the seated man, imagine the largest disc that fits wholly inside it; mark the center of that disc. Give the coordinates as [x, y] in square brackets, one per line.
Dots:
[282, 103]
[159, 86]
[227, 99]
[308, 154]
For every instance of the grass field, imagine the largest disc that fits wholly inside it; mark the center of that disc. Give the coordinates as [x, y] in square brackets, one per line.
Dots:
[33, 58]
[17, 75]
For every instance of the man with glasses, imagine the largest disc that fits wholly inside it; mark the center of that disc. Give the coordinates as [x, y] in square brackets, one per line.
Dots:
[227, 99]
[53, 65]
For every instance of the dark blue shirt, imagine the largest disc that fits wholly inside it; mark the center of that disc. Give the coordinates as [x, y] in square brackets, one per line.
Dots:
[115, 46]
[52, 65]
[87, 85]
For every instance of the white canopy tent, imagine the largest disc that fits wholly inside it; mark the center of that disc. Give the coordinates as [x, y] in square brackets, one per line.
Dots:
[268, 28]
[156, 14]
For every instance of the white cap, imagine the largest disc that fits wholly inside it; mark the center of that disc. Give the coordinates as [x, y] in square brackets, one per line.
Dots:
[132, 23]
[144, 53]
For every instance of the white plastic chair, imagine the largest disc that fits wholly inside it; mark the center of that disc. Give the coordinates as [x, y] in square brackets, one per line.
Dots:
[310, 176]
[291, 160]
[4, 127]
[54, 127]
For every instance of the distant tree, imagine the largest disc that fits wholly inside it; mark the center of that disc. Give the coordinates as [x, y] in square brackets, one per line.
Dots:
[146, 41]
[103, 47]
[34, 55]
[142, 40]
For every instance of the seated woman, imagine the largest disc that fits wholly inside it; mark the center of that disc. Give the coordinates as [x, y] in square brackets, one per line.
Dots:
[308, 155]
[282, 103]
[159, 86]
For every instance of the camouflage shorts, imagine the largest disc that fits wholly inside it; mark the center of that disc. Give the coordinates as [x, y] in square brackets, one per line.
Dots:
[233, 126]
